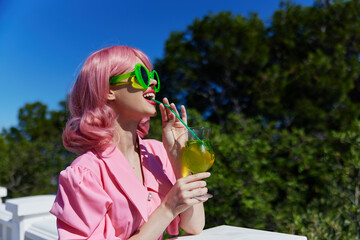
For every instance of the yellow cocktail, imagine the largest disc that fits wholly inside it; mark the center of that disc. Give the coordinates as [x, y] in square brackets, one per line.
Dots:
[198, 156]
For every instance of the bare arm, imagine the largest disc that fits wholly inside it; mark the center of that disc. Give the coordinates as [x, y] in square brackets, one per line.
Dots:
[179, 200]
[193, 219]
[174, 136]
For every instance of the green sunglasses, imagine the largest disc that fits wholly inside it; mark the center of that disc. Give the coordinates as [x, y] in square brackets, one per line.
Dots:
[142, 75]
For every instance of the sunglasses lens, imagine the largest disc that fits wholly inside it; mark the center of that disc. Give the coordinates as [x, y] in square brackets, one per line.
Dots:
[144, 76]
[156, 77]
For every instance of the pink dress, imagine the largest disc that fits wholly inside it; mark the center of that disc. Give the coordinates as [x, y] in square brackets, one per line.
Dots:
[100, 197]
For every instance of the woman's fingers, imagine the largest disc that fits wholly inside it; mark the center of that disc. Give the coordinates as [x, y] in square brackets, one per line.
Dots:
[187, 192]
[195, 177]
[193, 185]
[183, 114]
[166, 113]
[198, 192]
[173, 107]
[163, 113]
[169, 115]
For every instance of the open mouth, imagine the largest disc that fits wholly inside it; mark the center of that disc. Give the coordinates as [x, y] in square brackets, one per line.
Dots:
[149, 96]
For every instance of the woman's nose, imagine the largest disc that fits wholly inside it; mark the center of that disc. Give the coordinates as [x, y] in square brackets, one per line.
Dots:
[153, 83]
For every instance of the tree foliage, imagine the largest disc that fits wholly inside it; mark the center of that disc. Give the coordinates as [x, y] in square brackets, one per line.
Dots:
[301, 70]
[32, 154]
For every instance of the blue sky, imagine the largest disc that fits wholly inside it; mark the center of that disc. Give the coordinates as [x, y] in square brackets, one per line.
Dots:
[43, 43]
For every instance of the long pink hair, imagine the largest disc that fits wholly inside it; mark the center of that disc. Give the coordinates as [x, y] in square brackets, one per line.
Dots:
[91, 123]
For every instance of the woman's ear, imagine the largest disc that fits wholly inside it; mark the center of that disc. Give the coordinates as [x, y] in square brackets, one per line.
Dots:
[111, 95]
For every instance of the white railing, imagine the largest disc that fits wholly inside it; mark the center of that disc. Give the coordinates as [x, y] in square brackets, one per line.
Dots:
[27, 218]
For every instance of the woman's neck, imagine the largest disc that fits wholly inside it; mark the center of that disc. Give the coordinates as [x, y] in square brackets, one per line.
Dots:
[128, 142]
[129, 147]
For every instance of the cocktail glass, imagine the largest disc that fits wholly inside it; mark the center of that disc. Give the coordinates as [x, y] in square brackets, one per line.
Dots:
[198, 155]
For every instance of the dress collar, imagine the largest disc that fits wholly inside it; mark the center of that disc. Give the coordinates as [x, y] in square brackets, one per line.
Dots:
[153, 175]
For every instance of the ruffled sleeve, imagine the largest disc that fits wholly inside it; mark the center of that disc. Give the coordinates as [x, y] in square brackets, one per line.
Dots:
[81, 205]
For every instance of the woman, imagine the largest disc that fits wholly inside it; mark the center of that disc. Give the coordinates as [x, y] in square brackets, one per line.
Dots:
[122, 186]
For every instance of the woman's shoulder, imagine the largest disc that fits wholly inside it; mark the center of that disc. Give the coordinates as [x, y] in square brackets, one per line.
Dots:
[86, 163]
[88, 158]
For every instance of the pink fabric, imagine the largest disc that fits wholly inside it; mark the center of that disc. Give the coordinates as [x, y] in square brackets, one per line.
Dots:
[143, 127]
[100, 197]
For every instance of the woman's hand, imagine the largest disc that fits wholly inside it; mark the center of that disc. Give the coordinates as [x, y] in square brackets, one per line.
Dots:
[186, 193]
[174, 134]
[184, 199]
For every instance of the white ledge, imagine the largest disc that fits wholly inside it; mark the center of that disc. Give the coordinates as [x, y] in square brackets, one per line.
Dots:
[225, 232]
[30, 205]
[43, 230]
[3, 192]
[4, 215]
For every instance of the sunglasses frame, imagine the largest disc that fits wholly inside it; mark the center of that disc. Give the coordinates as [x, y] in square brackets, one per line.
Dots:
[117, 80]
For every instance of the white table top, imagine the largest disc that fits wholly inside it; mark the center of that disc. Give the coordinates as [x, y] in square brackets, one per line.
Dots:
[225, 232]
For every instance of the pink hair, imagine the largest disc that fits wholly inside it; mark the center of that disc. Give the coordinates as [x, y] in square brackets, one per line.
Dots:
[91, 123]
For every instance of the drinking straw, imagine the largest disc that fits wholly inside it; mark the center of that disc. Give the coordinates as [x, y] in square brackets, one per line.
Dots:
[168, 106]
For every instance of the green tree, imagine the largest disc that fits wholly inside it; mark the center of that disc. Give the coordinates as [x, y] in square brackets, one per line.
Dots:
[300, 70]
[316, 51]
[211, 65]
[32, 153]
